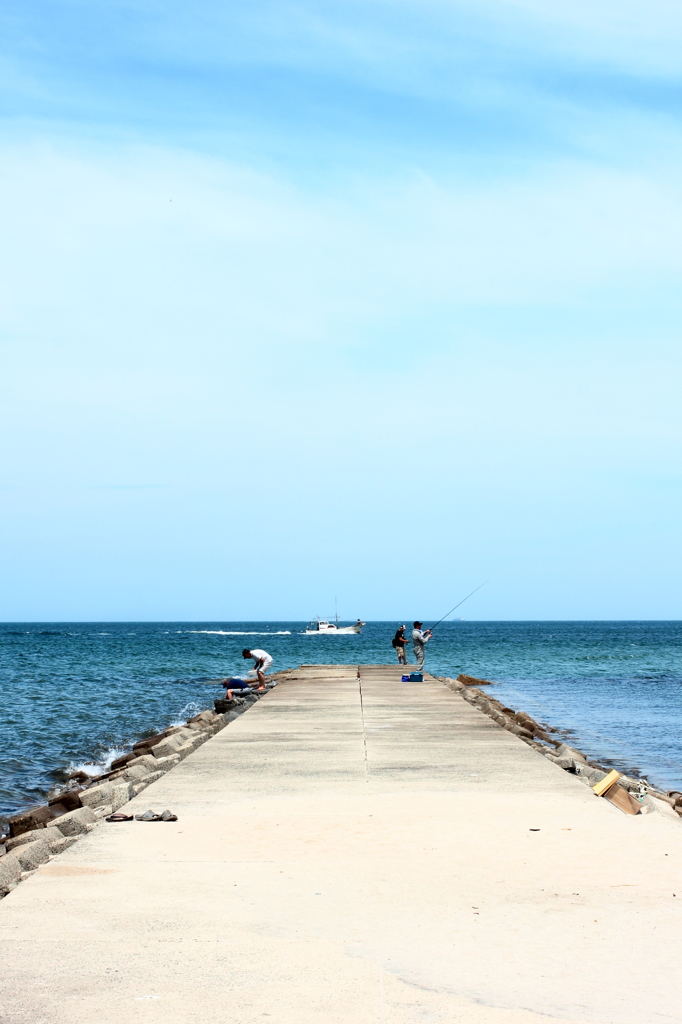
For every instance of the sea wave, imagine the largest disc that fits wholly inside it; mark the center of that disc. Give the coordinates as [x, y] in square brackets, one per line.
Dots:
[100, 767]
[97, 768]
[189, 711]
[227, 632]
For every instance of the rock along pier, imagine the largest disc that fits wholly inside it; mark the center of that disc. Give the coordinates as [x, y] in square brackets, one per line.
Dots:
[355, 850]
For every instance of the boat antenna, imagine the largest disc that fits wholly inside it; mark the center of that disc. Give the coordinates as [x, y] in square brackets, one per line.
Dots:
[458, 604]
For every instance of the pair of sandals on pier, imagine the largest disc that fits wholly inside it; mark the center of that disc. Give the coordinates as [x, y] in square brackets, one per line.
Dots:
[147, 816]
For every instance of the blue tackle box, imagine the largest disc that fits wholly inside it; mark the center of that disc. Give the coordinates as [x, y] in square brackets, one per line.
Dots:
[416, 677]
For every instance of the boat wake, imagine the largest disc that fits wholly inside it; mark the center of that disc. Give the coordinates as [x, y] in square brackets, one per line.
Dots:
[231, 632]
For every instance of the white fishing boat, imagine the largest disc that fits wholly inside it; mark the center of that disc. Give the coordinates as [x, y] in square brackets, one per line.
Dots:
[319, 626]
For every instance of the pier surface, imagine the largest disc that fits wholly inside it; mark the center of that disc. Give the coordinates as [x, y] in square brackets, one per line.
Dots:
[355, 851]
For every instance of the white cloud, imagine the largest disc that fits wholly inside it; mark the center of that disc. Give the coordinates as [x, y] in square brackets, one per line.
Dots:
[160, 244]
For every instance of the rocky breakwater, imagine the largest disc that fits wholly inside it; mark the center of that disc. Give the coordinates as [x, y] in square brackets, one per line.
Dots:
[39, 833]
[569, 759]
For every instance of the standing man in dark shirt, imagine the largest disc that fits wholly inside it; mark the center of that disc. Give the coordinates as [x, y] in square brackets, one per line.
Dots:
[400, 643]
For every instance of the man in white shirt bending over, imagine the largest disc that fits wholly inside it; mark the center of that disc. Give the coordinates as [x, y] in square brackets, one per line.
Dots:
[263, 661]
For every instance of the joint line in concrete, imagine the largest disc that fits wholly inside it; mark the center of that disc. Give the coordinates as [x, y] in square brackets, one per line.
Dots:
[364, 734]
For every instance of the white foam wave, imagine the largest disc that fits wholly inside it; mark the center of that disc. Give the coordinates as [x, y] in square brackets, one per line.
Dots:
[227, 632]
[189, 711]
[96, 768]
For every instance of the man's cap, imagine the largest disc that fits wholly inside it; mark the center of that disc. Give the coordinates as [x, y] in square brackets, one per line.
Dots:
[417, 624]
[246, 653]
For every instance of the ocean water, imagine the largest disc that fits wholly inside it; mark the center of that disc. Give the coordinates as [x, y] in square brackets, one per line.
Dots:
[76, 694]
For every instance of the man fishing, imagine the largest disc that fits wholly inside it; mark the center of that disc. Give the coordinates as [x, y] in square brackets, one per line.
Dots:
[399, 643]
[419, 639]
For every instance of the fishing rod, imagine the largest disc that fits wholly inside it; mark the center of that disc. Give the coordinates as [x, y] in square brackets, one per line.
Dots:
[457, 605]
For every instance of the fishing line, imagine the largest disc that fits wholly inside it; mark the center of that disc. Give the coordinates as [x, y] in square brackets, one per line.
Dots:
[458, 604]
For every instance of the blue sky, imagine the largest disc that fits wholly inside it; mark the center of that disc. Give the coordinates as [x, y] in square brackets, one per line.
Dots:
[313, 300]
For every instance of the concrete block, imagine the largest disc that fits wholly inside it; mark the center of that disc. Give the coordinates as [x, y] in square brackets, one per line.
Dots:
[164, 764]
[518, 730]
[69, 800]
[563, 762]
[50, 835]
[138, 787]
[10, 872]
[182, 734]
[32, 855]
[662, 806]
[222, 705]
[565, 751]
[142, 746]
[96, 796]
[58, 809]
[103, 811]
[185, 734]
[120, 795]
[123, 760]
[147, 761]
[203, 716]
[453, 684]
[76, 823]
[136, 773]
[27, 821]
[168, 746]
[64, 843]
[154, 777]
[185, 750]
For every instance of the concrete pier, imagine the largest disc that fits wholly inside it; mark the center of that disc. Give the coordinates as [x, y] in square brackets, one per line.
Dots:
[355, 851]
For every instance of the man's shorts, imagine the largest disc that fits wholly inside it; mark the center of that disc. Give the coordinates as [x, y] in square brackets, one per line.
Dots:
[267, 662]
